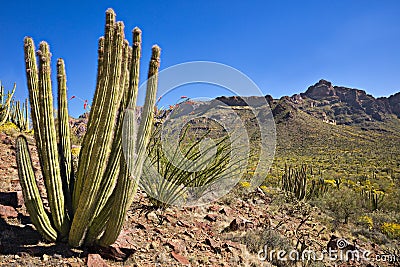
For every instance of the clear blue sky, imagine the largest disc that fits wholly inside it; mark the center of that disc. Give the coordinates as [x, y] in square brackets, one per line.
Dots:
[284, 46]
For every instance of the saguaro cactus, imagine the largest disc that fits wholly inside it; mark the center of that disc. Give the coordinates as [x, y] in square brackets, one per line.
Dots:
[5, 103]
[88, 208]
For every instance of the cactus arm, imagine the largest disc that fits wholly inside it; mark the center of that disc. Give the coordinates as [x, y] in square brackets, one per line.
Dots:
[112, 170]
[130, 97]
[103, 73]
[26, 111]
[64, 136]
[113, 166]
[30, 191]
[99, 155]
[33, 89]
[135, 66]
[51, 171]
[127, 184]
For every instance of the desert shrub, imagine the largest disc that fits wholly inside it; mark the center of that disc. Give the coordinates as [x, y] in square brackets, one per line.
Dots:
[178, 179]
[344, 204]
[366, 221]
[372, 235]
[266, 240]
[392, 230]
[9, 128]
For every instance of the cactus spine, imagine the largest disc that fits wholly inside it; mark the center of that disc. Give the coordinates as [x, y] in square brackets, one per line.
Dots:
[91, 207]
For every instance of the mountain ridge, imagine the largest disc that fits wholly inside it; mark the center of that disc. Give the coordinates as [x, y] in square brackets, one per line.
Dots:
[332, 104]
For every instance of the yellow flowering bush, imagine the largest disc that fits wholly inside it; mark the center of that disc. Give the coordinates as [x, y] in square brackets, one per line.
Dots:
[8, 127]
[330, 182]
[245, 184]
[392, 230]
[366, 221]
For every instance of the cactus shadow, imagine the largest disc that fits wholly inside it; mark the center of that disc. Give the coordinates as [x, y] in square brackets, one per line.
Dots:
[25, 240]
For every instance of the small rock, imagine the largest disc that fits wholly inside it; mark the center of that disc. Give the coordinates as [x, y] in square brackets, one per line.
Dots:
[259, 201]
[214, 245]
[45, 257]
[177, 246]
[8, 212]
[183, 224]
[227, 211]
[141, 226]
[95, 260]
[181, 259]
[152, 216]
[211, 217]
[213, 208]
[239, 224]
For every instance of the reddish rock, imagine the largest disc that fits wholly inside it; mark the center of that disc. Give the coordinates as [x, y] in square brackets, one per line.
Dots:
[95, 260]
[177, 246]
[182, 223]
[8, 212]
[227, 211]
[239, 224]
[214, 208]
[181, 259]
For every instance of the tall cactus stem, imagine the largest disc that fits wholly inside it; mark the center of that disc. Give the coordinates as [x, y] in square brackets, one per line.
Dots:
[51, 170]
[30, 191]
[103, 74]
[64, 133]
[127, 185]
[26, 111]
[100, 154]
[130, 97]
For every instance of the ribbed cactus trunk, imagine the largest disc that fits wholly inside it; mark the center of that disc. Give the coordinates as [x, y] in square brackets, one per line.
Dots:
[88, 208]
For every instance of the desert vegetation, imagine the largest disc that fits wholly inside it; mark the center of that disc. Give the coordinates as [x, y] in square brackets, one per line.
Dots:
[89, 184]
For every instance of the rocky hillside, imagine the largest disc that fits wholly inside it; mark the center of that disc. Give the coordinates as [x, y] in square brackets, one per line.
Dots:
[332, 104]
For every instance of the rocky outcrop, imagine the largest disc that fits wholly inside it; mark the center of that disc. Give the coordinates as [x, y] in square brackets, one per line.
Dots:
[254, 101]
[394, 102]
[321, 89]
[351, 105]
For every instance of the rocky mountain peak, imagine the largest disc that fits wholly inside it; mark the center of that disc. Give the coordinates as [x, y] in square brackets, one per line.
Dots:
[321, 89]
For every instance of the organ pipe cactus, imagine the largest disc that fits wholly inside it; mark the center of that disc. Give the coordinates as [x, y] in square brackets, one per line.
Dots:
[19, 115]
[90, 207]
[295, 181]
[5, 103]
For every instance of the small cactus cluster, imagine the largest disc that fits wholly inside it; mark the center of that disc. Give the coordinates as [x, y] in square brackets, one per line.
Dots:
[88, 205]
[5, 104]
[373, 197]
[294, 180]
[19, 114]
